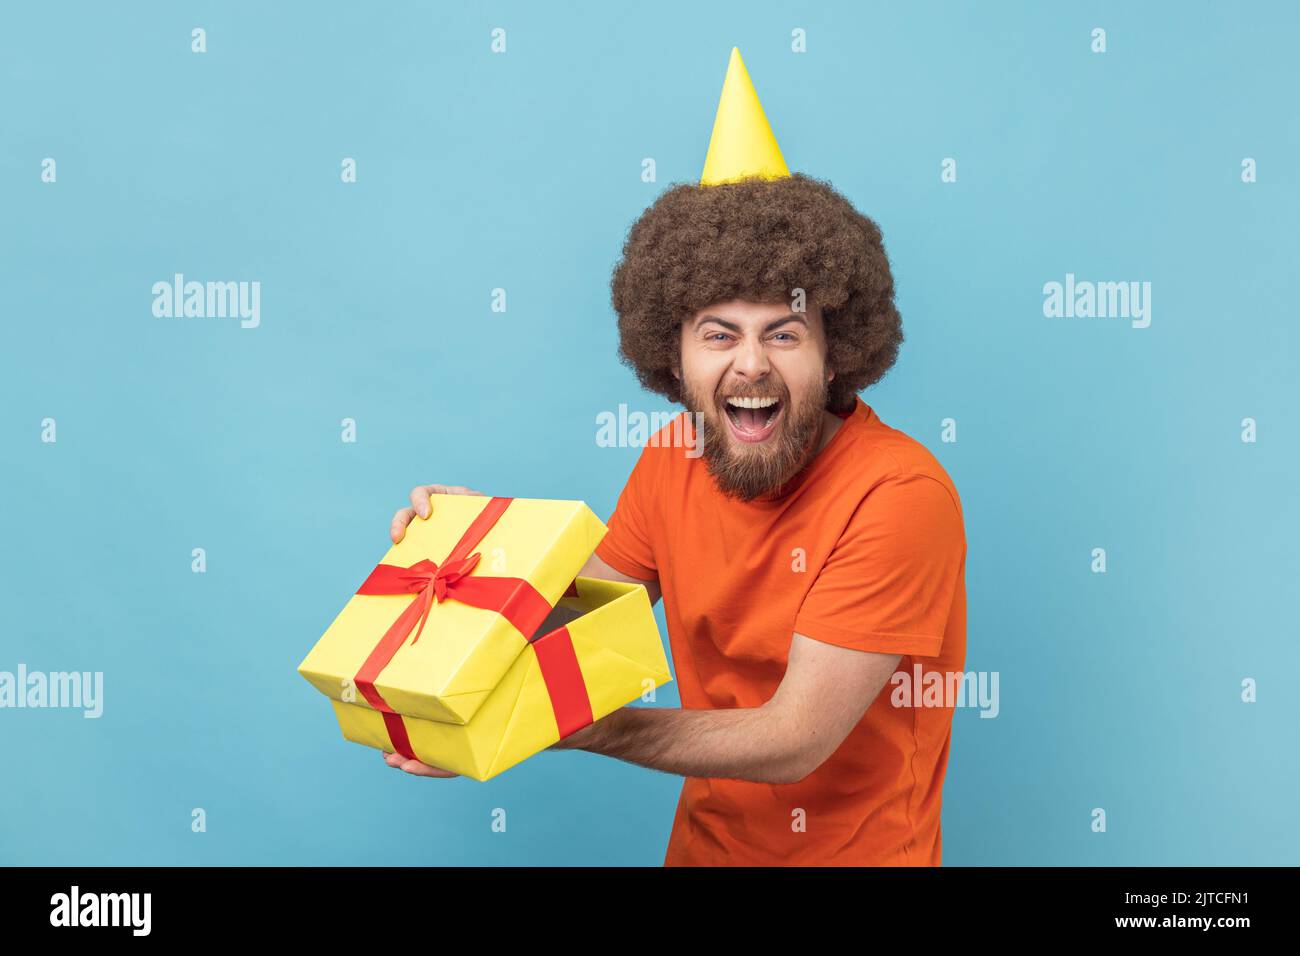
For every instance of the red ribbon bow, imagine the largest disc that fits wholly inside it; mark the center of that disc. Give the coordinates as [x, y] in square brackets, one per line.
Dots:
[432, 582]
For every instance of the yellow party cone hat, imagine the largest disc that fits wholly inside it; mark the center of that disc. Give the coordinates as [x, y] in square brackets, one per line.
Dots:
[742, 144]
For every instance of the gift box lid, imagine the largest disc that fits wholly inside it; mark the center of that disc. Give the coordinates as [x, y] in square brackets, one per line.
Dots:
[440, 620]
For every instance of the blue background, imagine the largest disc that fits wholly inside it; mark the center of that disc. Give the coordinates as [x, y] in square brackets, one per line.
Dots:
[1118, 690]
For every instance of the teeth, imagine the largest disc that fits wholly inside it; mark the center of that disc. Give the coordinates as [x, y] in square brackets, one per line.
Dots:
[751, 402]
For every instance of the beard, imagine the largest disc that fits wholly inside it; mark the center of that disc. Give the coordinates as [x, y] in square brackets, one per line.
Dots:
[750, 470]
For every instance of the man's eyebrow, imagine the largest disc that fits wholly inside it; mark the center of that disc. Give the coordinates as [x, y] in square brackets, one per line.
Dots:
[774, 324]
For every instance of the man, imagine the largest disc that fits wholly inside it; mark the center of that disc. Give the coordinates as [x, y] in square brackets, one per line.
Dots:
[808, 554]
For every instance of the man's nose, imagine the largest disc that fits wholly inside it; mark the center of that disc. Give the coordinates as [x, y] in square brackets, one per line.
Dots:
[751, 360]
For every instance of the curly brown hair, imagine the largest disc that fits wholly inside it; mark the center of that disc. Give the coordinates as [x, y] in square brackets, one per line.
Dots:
[757, 240]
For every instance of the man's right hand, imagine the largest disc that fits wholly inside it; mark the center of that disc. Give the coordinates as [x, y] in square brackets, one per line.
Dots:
[420, 505]
[414, 767]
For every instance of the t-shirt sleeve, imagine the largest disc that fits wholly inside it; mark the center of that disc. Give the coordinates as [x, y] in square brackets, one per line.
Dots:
[627, 547]
[889, 583]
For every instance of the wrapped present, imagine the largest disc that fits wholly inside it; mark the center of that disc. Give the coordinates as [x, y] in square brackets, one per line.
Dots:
[607, 654]
[465, 615]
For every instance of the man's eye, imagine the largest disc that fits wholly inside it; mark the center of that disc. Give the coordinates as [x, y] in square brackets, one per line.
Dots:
[788, 336]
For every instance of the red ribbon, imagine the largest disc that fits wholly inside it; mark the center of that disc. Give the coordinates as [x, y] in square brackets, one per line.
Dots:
[564, 683]
[514, 598]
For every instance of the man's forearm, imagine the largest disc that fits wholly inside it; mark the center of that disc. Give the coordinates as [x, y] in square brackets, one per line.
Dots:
[750, 743]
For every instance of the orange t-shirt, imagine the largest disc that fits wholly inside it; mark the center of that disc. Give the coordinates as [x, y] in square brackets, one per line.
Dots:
[864, 549]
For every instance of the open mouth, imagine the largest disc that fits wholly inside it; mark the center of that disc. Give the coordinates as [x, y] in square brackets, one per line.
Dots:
[753, 419]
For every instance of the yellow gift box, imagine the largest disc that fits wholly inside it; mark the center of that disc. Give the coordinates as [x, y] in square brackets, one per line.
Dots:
[471, 645]
[609, 654]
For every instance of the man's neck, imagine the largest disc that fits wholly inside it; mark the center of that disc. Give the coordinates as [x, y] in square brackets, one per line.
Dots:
[831, 423]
